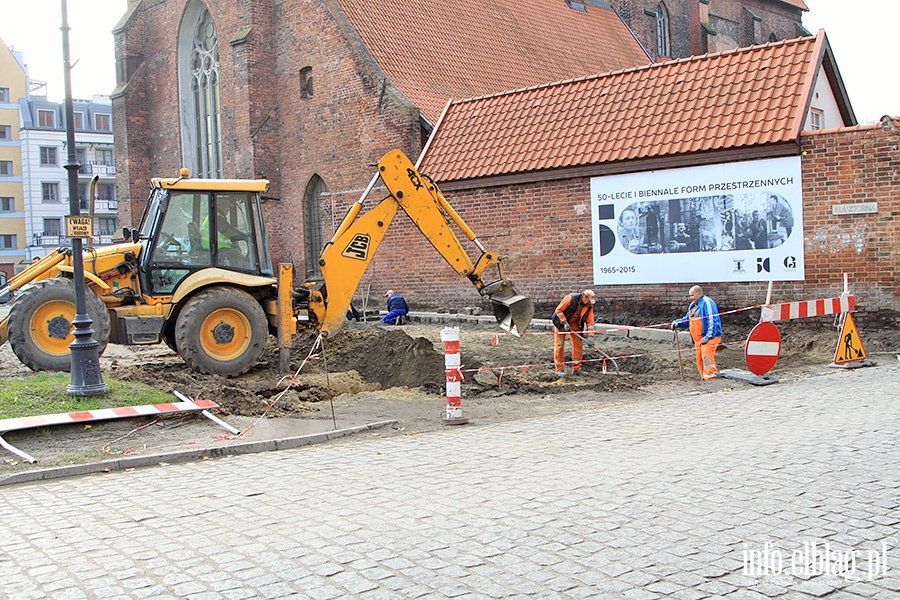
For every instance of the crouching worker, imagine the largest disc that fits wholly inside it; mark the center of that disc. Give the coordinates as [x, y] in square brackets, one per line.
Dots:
[702, 319]
[574, 316]
[397, 308]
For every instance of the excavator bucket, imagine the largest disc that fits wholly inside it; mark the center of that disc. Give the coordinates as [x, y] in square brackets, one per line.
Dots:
[512, 310]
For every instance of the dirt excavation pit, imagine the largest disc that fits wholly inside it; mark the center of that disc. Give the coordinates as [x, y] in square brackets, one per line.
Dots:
[368, 357]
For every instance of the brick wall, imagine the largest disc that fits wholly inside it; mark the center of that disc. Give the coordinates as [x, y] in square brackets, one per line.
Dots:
[729, 17]
[544, 230]
[271, 130]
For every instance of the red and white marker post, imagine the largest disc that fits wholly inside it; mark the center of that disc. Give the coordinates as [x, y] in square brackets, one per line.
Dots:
[763, 348]
[454, 414]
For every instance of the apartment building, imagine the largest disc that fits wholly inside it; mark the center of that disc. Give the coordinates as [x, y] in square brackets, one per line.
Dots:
[45, 179]
[13, 86]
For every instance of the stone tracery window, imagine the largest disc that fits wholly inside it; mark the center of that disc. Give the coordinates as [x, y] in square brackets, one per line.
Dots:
[201, 113]
[312, 224]
[662, 31]
[205, 93]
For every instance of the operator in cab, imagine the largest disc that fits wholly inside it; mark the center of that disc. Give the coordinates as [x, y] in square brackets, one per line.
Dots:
[228, 235]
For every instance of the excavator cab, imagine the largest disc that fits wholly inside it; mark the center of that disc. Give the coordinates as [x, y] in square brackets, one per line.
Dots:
[189, 227]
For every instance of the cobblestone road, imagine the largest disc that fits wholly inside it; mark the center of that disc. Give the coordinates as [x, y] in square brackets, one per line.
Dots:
[688, 497]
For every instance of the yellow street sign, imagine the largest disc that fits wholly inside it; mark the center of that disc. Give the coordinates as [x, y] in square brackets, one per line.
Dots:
[78, 227]
[850, 347]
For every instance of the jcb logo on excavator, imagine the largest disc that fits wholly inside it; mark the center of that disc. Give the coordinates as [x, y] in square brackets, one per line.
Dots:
[358, 247]
[414, 178]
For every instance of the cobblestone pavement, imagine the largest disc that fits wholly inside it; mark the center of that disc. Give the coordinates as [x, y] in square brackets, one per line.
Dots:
[687, 497]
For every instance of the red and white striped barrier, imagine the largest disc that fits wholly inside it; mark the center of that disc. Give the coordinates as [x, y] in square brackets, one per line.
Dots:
[104, 414]
[807, 308]
[454, 415]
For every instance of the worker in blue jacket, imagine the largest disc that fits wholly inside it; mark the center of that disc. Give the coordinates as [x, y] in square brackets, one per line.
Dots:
[397, 308]
[702, 319]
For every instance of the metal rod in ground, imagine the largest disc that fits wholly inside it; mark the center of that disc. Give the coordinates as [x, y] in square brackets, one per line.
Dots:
[678, 347]
[208, 414]
[220, 422]
[328, 385]
[16, 451]
[605, 355]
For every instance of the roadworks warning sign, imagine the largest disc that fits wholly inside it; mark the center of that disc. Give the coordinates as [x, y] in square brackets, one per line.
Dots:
[850, 347]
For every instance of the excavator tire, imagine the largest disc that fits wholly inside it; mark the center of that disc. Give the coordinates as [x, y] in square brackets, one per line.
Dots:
[40, 324]
[221, 331]
[169, 339]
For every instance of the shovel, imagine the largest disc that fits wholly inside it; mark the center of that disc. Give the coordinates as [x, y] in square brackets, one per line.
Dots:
[512, 310]
[605, 355]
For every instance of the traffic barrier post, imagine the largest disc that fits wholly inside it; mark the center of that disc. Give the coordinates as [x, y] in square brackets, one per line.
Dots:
[453, 414]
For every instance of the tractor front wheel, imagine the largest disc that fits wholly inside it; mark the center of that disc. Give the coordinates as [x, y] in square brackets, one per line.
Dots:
[221, 331]
[40, 324]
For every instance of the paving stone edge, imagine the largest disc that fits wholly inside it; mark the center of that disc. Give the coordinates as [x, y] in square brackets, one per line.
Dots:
[133, 462]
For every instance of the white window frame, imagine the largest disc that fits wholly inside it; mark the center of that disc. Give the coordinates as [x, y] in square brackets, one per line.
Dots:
[56, 224]
[6, 168]
[8, 241]
[97, 119]
[78, 120]
[4, 95]
[46, 113]
[101, 221]
[53, 188]
[106, 187]
[5, 132]
[7, 204]
[816, 119]
[46, 152]
[104, 152]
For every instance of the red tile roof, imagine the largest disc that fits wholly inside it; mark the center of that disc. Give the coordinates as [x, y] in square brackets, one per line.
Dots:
[433, 51]
[747, 97]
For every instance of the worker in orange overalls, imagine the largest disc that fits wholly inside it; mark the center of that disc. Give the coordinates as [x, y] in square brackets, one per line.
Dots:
[703, 320]
[573, 315]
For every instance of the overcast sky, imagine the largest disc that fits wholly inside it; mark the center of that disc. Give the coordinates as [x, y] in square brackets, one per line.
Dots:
[861, 35]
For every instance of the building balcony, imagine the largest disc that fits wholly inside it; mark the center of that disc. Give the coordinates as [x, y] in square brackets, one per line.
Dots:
[55, 241]
[101, 205]
[97, 169]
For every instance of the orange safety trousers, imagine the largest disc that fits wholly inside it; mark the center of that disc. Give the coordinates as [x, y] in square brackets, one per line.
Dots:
[559, 349]
[706, 353]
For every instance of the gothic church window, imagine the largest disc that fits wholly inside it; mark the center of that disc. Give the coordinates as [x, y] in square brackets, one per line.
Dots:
[662, 31]
[312, 224]
[200, 106]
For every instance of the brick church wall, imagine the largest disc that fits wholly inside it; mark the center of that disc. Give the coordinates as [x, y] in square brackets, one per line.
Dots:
[272, 130]
[544, 229]
[733, 20]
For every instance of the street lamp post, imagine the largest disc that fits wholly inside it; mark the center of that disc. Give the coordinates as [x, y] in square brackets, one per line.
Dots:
[87, 380]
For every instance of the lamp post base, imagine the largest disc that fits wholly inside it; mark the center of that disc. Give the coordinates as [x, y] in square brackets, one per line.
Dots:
[87, 379]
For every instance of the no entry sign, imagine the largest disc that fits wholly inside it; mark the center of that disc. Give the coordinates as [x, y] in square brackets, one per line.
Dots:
[763, 348]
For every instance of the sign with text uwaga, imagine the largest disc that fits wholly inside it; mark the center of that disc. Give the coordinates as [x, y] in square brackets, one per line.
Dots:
[738, 221]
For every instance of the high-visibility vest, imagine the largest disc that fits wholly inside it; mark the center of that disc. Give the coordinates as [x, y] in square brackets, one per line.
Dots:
[223, 240]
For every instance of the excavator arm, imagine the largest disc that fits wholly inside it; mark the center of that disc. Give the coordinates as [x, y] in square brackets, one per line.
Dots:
[352, 247]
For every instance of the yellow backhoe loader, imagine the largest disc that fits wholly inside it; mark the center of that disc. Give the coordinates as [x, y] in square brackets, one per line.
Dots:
[197, 275]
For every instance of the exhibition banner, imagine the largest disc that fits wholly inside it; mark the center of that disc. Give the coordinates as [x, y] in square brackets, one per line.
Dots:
[739, 221]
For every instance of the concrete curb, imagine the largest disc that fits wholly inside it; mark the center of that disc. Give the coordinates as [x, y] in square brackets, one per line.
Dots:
[149, 460]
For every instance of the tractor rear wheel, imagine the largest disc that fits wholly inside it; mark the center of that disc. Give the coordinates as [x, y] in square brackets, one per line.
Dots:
[221, 331]
[40, 324]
